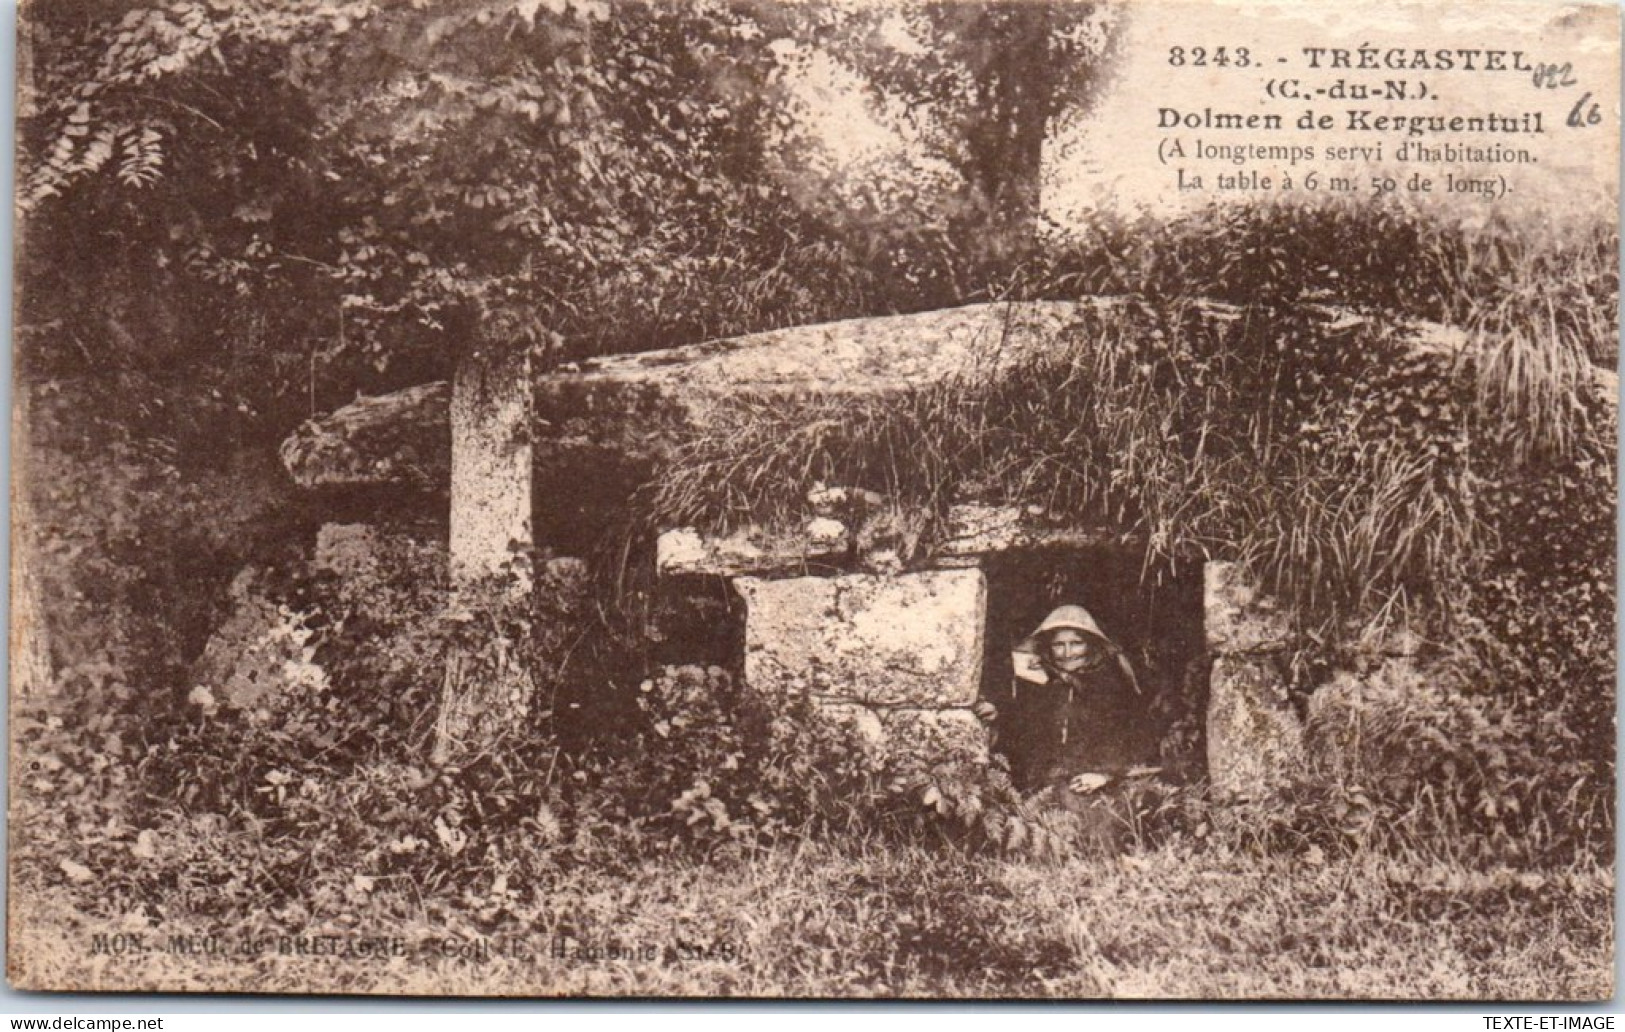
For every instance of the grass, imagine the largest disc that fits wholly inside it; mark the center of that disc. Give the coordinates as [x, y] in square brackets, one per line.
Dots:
[1171, 923]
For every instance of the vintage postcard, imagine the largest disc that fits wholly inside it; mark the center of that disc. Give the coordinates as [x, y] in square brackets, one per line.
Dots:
[833, 499]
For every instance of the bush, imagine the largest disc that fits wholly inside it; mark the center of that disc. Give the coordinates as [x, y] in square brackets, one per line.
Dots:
[1424, 761]
[343, 763]
[132, 533]
[718, 763]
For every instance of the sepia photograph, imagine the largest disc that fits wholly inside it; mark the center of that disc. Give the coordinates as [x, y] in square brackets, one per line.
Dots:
[815, 499]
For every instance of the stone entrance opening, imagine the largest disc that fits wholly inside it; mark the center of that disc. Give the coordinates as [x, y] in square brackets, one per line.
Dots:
[1157, 621]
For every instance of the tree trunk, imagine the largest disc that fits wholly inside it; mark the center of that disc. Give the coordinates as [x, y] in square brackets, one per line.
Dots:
[1015, 100]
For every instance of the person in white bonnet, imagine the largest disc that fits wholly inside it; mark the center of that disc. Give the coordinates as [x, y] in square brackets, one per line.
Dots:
[1077, 717]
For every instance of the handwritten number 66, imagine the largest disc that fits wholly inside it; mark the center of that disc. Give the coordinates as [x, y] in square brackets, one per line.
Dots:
[1585, 112]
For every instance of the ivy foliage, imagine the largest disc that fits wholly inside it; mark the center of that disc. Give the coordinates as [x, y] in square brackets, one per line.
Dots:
[337, 195]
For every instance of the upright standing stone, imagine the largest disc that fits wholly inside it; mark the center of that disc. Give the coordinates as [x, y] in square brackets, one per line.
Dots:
[486, 690]
[492, 405]
[1254, 739]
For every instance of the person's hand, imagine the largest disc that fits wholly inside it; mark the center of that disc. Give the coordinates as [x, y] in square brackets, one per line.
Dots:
[1084, 784]
[985, 711]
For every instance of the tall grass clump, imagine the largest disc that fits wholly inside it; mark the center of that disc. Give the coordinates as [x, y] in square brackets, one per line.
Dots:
[1541, 324]
[1327, 457]
[1538, 301]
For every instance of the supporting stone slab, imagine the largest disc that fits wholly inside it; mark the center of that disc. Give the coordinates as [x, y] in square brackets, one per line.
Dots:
[911, 639]
[928, 736]
[1237, 617]
[260, 656]
[686, 551]
[910, 737]
[971, 530]
[486, 693]
[974, 529]
[1254, 740]
[346, 549]
[492, 408]
[1254, 737]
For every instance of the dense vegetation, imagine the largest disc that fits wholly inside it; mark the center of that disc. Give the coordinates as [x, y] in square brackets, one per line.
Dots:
[237, 215]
